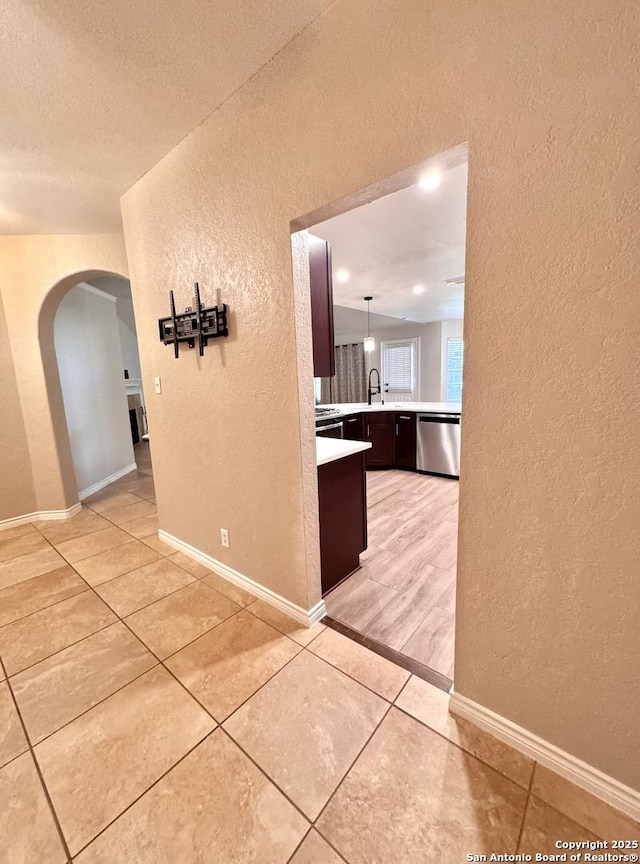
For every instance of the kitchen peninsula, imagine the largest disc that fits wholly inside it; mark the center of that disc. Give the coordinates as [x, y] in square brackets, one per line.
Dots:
[342, 496]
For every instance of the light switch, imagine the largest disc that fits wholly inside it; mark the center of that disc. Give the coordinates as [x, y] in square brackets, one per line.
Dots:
[158, 383]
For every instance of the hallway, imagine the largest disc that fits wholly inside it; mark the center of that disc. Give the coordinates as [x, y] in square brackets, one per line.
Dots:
[172, 717]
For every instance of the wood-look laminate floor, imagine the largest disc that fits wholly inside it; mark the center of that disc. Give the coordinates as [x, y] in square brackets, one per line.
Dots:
[404, 594]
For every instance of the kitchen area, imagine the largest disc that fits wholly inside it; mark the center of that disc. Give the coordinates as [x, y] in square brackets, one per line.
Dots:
[388, 393]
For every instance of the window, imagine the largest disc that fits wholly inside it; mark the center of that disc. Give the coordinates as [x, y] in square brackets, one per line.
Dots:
[455, 359]
[400, 368]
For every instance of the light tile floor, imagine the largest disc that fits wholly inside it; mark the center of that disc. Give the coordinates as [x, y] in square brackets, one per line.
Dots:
[173, 718]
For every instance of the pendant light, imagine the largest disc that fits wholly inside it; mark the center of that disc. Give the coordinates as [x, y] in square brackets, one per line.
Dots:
[369, 341]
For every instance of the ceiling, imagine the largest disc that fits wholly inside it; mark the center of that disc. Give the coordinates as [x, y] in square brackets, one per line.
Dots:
[94, 94]
[413, 237]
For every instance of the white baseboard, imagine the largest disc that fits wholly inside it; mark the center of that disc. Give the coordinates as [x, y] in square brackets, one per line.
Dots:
[91, 490]
[45, 515]
[306, 617]
[585, 776]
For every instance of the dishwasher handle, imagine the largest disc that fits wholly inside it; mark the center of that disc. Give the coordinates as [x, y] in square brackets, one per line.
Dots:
[439, 418]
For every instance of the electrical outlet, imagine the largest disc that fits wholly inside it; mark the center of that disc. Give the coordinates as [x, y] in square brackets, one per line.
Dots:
[224, 537]
[158, 385]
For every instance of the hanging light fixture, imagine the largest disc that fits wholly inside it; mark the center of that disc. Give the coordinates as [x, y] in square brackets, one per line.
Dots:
[369, 341]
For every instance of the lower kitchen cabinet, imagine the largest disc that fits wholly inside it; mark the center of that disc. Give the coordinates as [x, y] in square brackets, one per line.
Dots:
[353, 427]
[405, 441]
[342, 497]
[379, 429]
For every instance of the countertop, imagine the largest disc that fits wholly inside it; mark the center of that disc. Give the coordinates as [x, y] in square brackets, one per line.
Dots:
[330, 449]
[358, 407]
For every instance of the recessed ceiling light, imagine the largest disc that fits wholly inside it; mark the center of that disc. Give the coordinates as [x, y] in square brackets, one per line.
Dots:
[419, 289]
[430, 181]
[343, 275]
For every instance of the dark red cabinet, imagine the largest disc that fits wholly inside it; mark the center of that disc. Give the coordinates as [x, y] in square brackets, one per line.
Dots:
[342, 498]
[379, 429]
[405, 441]
[321, 285]
[353, 427]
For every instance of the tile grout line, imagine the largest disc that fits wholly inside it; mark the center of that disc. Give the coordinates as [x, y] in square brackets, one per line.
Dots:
[219, 725]
[347, 675]
[526, 806]
[159, 661]
[348, 771]
[264, 683]
[42, 608]
[296, 850]
[524, 817]
[99, 702]
[460, 746]
[135, 569]
[313, 828]
[142, 794]
[122, 621]
[70, 645]
[265, 775]
[36, 764]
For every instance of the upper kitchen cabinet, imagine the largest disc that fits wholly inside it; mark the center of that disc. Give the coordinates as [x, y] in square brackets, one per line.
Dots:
[320, 278]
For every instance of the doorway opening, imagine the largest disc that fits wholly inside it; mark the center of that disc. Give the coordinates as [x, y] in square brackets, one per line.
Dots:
[93, 340]
[388, 372]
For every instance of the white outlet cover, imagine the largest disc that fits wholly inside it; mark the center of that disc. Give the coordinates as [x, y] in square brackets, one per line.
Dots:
[158, 385]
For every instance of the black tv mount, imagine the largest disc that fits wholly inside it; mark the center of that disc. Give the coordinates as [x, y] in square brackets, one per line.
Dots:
[201, 324]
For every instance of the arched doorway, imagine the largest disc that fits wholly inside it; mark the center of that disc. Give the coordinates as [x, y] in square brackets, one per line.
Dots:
[81, 335]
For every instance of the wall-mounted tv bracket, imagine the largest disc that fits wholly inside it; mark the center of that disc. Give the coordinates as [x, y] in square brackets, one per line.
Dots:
[201, 324]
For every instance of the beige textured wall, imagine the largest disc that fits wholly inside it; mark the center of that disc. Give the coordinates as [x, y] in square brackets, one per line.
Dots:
[35, 273]
[548, 596]
[17, 495]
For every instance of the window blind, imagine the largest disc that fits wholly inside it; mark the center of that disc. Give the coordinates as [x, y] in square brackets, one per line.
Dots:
[455, 360]
[399, 366]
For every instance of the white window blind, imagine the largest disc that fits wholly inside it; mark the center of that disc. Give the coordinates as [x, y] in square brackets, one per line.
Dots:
[455, 360]
[400, 367]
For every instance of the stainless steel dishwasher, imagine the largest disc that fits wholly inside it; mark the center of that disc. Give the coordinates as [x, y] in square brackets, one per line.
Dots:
[438, 444]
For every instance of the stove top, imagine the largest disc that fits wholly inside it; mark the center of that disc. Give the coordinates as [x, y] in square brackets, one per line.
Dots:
[326, 412]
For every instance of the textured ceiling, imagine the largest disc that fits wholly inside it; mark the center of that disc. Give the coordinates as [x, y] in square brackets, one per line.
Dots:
[413, 237]
[93, 94]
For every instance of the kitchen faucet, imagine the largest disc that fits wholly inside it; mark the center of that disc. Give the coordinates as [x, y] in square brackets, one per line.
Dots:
[373, 391]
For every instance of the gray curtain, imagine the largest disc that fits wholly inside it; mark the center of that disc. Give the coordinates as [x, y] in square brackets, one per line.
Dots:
[349, 384]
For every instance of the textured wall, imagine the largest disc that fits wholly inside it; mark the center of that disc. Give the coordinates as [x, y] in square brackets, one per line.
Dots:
[36, 271]
[548, 594]
[90, 363]
[17, 495]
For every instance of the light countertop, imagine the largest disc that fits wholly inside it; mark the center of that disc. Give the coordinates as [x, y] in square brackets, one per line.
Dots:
[358, 407]
[330, 449]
